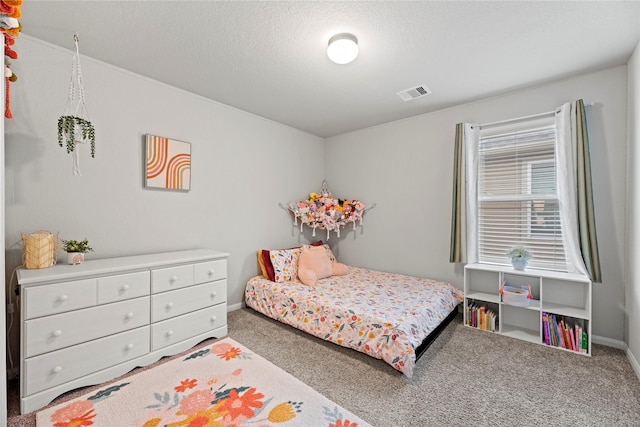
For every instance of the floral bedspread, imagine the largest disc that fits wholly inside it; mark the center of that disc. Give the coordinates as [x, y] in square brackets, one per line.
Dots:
[384, 315]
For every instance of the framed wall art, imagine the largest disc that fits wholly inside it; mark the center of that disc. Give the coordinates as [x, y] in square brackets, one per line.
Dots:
[168, 163]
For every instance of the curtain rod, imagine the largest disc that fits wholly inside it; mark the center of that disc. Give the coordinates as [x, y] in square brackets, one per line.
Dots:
[522, 119]
[518, 119]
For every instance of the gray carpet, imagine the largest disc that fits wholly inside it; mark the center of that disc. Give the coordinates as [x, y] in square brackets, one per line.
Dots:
[466, 377]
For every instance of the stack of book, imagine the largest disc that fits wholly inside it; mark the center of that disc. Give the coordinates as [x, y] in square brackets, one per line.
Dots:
[566, 333]
[481, 317]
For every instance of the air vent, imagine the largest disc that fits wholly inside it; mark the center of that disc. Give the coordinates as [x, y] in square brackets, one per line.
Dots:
[414, 92]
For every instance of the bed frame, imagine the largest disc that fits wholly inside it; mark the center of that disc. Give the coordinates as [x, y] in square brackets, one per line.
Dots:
[435, 333]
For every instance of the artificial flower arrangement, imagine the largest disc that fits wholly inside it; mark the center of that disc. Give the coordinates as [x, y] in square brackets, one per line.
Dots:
[519, 257]
[519, 252]
[326, 212]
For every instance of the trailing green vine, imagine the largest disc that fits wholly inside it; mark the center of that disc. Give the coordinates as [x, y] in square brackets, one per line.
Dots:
[66, 132]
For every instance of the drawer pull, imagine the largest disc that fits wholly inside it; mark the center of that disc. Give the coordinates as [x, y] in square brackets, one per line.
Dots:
[213, 294]
[173, 279]
[213, 318]
[129, 347]
[57, 369]
[125, 287]
[210, 272]
[57, 333]
[169, 333]
[130, 315]
[63, 297]
[169, 305]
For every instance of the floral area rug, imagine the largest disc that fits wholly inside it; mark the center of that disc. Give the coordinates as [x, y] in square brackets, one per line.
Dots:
[221, 384]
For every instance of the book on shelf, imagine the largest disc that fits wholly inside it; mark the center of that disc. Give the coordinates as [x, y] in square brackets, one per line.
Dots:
[560, 334]
[578, 337]
[547, 323]
[480, 316]
[565, 332]
[572, 339]
[545, 328]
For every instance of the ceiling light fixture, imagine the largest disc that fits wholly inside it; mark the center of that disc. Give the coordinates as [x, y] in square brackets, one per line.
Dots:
[343, 48]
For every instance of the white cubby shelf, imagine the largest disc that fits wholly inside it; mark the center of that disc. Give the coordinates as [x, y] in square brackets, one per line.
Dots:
[563, 298]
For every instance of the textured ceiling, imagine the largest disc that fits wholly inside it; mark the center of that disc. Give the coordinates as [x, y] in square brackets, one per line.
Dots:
[269, 58]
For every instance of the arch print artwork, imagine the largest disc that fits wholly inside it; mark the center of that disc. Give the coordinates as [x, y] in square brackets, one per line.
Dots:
[168, 163]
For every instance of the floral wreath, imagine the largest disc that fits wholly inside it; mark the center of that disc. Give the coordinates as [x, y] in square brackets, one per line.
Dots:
[322, 210]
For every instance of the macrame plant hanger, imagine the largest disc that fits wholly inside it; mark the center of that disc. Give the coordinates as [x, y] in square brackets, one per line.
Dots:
[75, 126]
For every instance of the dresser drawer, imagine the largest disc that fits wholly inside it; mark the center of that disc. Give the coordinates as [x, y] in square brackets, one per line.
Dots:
[67, 329]
[58, 298]
[180, 328]
[181, 301]
[123, 286]
[58, 367]
[167, 279]
[210, 271]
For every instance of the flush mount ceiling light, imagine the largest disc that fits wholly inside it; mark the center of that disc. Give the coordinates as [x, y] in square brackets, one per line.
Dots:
[343, 48]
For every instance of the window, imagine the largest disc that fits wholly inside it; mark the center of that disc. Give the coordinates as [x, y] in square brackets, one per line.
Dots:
[543, 215]
[517, 193]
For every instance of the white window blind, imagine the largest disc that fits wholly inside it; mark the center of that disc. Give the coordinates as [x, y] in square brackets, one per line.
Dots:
[517, 193]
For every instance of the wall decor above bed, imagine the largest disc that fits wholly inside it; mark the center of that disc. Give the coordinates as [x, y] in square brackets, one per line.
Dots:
[324, 211]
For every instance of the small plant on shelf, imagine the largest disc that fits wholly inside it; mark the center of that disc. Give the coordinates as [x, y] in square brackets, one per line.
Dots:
[75, 250]
[519, 252]
[81, 246]
[519, 257]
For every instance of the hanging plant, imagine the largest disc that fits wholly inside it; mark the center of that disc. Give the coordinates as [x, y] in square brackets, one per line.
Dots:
[72, 129]
[74, 126]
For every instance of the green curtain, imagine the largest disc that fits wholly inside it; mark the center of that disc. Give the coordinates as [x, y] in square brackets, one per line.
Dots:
[455, 250]
[586, 215]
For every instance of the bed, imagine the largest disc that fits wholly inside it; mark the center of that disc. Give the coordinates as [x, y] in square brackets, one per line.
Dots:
[388, 316]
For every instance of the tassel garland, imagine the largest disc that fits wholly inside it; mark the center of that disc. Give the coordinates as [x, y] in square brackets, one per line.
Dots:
[11, 28]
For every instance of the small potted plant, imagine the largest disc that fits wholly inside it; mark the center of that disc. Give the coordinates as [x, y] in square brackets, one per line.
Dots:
[75, 250]
[519, 257]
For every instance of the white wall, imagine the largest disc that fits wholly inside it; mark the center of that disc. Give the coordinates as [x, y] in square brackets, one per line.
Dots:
[242, 167]
[632, 294]
[406, 168]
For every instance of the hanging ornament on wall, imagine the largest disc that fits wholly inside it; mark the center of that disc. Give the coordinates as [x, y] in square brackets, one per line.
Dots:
[74, 126]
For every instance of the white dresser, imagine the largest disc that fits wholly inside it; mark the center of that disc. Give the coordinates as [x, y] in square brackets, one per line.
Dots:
[88, 323]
